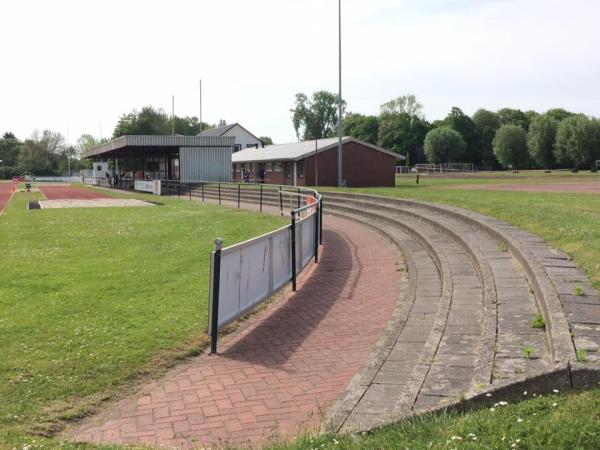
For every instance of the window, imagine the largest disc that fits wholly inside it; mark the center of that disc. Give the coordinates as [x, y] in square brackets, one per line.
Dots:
[269, 167]
[237, 147]
[300, 170]
[276, 167]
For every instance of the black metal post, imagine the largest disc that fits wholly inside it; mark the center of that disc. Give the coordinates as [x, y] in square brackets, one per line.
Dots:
[202, 192]
[190, 189]
[280, 201]
[238, 196]
[214, 320]
[179, 194]
[261, 197]
[293, 229]
[317, 234]
[321, 221]
[219, 193]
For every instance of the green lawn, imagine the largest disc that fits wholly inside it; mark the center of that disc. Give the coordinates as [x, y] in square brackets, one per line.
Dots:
[569, 421]
[570, 222]
[93, 299]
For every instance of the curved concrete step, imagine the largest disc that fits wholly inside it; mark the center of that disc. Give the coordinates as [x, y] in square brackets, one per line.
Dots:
[525, 248]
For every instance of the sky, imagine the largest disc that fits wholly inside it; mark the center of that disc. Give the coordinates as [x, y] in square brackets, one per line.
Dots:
[75, 66]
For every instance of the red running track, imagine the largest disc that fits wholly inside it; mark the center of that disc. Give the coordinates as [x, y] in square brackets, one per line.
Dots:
[6, 190]
[70, 193]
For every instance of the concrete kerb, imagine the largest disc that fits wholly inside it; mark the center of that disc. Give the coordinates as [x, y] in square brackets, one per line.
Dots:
[419, 373]
[357, 387]
[563, 377]
[557, 327]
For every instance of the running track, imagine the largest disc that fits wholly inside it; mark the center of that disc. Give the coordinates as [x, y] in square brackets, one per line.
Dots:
[6, 190]
[70, 193]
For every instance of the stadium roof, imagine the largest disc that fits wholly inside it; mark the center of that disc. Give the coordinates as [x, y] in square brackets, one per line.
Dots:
[132, 145]
[299, 150]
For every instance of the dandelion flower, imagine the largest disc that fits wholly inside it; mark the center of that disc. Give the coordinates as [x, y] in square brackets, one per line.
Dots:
[554, 404]
[519, 420]
[555, 391]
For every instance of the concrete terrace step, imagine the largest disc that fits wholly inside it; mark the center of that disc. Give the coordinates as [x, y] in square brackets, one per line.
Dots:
[481, 342]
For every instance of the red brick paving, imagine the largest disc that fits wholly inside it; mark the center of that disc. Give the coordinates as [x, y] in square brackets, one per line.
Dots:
[282, 373]
[6, 191]
[70, 192]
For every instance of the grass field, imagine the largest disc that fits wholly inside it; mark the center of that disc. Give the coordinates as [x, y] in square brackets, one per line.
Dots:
[570, 222]
[81, 338]
[570, 421]
[92, 299]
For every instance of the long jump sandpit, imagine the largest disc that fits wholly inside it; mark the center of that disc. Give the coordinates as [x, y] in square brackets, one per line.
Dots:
[92, 203]
[580, 187]
[69, 192]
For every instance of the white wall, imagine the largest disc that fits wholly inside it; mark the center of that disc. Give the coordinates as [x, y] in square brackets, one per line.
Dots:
[242, 137]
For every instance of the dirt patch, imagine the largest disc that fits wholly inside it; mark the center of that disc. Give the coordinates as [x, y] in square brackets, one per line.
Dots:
[92, 203]
[592, 187]
[70, 192]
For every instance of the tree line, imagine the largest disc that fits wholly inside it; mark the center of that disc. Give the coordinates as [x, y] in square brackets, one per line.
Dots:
[508, 138]
[47, 152]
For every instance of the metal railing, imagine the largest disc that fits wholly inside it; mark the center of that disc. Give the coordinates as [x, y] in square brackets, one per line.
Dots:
[246, 274]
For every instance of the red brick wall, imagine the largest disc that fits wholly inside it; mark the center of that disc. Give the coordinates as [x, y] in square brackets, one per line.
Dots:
[362, 167]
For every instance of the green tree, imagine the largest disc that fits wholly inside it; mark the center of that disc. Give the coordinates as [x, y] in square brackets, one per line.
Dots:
[362, 127]
[559, 114]
[510, 146]
[541, 138]
[459, 121]
[486, 123]
[317, 117]
[444, 145]
[403, 133]
[404, 104]
[511, 116]
[10, 147]
[578, 141]
[266, 140]
[151, 121]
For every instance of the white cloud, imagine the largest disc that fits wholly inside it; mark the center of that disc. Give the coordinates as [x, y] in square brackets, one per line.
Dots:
[77, 64]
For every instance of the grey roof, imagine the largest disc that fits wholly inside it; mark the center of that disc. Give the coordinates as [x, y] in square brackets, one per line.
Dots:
[298, 150]
[146, 141]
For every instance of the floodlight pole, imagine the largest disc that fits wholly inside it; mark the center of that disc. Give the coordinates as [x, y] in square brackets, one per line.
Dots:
[340, 174]
[172, 115]
[200, 118]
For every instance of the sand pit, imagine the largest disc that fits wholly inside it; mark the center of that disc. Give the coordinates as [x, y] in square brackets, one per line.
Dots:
[92, 203]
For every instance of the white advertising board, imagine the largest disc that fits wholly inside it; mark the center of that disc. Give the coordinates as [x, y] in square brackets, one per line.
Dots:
[251, 271]
[148, 186]
[144, 186]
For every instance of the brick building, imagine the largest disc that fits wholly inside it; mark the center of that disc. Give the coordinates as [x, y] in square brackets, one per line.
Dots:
[310, 163]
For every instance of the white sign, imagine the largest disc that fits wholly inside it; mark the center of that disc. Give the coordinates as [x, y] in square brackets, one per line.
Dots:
[145, 186]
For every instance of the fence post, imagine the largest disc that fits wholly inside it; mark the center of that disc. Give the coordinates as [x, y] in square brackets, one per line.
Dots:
[190, 189]
[219, 193]
[280, 201]
[317, 233]
[293, 229]
[298, 197]
[239, 196]
[179, 195]
[214, 309]
[321, 221]
[261, 196]
[202, 192]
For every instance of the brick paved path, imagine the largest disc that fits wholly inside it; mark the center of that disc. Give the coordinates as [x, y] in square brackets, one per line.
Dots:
[281, 374]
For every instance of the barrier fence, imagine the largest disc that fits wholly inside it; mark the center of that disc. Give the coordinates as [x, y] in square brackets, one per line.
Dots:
[244, 275]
